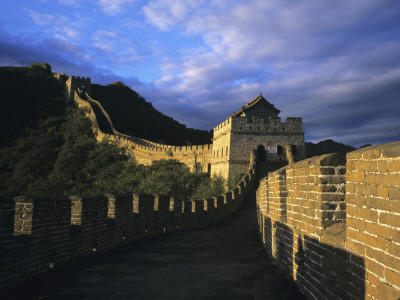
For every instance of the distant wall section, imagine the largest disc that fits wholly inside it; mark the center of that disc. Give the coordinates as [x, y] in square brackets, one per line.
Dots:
[197, 157]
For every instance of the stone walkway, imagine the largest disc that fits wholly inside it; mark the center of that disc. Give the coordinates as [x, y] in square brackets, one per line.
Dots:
[225, 261]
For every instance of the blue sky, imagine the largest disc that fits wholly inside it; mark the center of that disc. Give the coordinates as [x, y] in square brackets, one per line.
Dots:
[336, 64]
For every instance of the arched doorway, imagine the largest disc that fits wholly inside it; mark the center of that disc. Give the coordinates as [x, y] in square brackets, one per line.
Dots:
[279, 150]
[261, 153]
[209, 169]
[294, 149]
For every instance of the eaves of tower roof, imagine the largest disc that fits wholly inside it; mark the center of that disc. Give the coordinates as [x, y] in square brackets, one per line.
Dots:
[259, 100]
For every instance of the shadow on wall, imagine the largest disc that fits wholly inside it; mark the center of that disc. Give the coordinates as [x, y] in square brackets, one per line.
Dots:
[321, 270]
[333, 224]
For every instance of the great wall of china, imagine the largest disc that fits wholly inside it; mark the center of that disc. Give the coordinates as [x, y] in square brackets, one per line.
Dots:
[331, 223]
[256, 125]
[42, 233]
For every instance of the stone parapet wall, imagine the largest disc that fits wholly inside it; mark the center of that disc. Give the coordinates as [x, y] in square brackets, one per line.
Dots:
[373, 216]
[42, 233]
[197, 157]
[330, 254]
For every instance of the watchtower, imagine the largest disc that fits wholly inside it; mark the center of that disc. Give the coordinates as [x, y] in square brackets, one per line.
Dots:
[79, 84]
[255, 126]
[44, 66]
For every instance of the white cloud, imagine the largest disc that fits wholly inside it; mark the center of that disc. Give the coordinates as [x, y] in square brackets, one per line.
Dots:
[46, 19]
[60, 26]
[105, 40]
[114, 7]
[70, 2]
[166, 13]
[115, 49]
[304, 57]
[338, 58]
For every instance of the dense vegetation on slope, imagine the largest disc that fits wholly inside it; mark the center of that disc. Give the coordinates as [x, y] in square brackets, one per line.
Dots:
[132, 115]
[327, 146]
[61, 157]
[58, 153]
[26, 97]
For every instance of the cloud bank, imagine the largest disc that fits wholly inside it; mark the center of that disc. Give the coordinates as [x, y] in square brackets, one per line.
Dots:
[335, 64]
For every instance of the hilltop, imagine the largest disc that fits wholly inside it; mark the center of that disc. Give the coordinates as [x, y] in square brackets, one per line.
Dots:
[327, 146]
[27, 96]
[48, 148]
[131, 114]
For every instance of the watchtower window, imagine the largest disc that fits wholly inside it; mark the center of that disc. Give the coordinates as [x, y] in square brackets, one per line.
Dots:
[226, 152]
[279, 150]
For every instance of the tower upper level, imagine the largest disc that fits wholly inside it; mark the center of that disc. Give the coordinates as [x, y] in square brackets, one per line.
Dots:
[259, 117]
[78, 83]
[259, 107]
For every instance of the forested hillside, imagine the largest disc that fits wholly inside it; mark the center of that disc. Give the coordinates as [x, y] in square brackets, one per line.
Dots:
[132, 115]
[47, 148]
[26, 97]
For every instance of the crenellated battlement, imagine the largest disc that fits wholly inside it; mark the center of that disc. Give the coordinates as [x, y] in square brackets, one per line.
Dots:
[80, 79]
[222, 125]
[274, 125]
[76, 83]
[67, 229]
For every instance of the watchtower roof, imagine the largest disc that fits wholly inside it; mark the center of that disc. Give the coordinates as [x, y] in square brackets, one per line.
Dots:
[258, 101]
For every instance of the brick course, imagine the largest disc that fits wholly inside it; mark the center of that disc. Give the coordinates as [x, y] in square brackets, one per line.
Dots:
[342, 231]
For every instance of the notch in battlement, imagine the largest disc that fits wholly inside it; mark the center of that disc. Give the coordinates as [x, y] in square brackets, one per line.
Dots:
[223, 124]
[291, 120]
[78, 78]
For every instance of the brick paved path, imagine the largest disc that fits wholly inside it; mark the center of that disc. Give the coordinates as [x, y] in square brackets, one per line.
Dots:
[225, 261]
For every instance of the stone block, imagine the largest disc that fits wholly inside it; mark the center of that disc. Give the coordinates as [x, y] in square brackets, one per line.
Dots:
[389, 219]
[368, 166]
[390, 150]
[378, 230]
[388, 179]
[355, 223]
[334, 159]
[386, 291]
[355, 176]
[393, 249]
[373, 267]
[394, 192]
[354, 155]
[371, 153]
